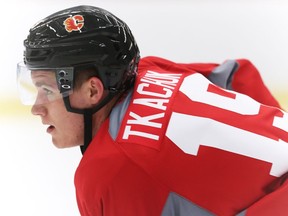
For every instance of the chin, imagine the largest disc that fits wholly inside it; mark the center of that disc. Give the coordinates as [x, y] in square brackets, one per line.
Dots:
[63, 145]
[60, 145]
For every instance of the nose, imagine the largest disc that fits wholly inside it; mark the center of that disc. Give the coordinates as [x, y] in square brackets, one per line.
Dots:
[39, 106]
[39, 109]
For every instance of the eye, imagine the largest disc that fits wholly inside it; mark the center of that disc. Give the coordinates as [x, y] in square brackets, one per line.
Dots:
[47, 91]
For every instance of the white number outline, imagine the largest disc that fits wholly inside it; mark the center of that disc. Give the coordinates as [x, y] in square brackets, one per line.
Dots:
[244, 142]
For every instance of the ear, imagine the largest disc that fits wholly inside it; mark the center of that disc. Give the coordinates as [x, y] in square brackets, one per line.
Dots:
[95, 90]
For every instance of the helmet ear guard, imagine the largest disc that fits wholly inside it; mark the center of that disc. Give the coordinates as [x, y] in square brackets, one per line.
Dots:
[65, 77]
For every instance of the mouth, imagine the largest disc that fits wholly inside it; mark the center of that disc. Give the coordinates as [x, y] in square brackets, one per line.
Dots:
[50, 129]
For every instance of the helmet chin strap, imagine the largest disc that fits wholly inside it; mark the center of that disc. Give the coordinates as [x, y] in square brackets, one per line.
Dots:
[88, 125]
[88, 117]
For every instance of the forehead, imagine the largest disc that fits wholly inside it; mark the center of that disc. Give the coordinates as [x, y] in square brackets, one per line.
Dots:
[46, 76]
[42, 74]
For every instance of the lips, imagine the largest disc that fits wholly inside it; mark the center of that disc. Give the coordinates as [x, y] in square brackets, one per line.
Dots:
[50, 129]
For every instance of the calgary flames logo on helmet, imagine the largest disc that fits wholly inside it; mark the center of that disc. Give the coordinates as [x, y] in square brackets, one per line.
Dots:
[74, 23]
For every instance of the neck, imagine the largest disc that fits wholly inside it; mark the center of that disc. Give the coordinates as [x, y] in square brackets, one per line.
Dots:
[101, 115]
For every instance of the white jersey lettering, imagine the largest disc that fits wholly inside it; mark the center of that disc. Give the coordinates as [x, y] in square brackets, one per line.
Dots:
[152, 102]
[152, 95]
[140, 90]
[166, 80]
[146, 120]
[128, 132]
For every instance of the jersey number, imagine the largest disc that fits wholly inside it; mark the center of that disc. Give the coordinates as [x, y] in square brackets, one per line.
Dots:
[233, 139]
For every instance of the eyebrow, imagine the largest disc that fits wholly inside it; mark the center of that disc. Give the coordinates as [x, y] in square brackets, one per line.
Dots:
[41, 83]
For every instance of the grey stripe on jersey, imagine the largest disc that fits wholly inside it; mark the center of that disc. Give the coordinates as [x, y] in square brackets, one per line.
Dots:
[179, 206]
[223, 74]
[117, 115]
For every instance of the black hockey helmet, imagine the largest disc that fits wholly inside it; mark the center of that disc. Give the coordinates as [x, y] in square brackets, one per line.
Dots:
[80, 37]
[84, 35]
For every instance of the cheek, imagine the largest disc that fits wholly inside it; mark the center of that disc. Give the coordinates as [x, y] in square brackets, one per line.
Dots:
[71, 131]
[78, 100]
[75, 124]
[69, 127]
[78, 123]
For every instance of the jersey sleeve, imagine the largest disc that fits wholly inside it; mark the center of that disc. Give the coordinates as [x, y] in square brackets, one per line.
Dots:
[275, 203]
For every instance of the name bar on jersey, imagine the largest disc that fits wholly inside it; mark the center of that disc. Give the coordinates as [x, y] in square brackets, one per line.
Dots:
[147, 116]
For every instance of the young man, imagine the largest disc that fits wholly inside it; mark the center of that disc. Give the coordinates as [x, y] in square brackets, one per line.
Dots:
[157, 137]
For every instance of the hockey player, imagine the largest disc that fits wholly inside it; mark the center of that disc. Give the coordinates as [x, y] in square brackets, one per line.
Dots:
[157, 137]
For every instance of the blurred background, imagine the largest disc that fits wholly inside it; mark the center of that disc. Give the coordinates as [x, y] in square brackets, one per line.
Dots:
[36, 178]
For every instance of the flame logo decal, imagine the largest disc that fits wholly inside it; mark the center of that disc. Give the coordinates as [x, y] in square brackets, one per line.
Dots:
[74, 23]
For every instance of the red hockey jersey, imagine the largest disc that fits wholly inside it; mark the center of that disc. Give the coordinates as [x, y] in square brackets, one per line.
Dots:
[180, 145]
